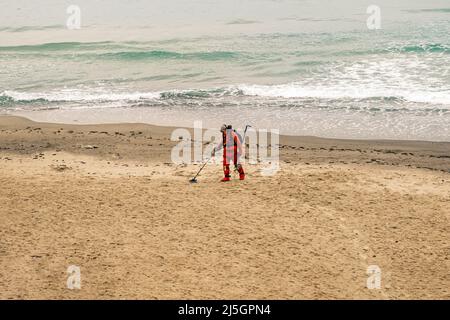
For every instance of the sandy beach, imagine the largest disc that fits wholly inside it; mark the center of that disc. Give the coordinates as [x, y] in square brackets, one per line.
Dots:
[108, 199]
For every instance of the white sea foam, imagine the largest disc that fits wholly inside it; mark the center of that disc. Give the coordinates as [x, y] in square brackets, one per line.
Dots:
[284, 91]
[295, 90]
[73, 95]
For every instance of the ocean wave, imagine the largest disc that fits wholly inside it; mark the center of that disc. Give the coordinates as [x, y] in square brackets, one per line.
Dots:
[6, 100]
[434, 47]
[155, 51]
[8, 97]
[115, 51]
[161, 54]
[242, 21]
[438, 10]
[82, 96]
[31, 28]
[200, 94]
[61, 46]
[295, 90]
[283, 92]
[399, 49]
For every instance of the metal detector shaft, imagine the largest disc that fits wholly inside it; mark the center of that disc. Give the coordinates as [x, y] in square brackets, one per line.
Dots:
[245, 131]
[243, 141]
[201, 169]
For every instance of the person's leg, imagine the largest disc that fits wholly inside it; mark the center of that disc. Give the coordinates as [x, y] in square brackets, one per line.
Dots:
[226, 166]
[226, 172]
[240, 169]
[238, 166]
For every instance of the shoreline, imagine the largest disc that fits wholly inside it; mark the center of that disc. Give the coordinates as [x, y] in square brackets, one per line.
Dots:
[325, 128]
[171, 127]
[433, 155]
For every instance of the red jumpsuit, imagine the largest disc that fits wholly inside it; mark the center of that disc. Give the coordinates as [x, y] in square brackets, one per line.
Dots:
[232, 150]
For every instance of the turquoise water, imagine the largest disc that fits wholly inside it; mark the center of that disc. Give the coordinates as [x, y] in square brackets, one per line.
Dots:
[304, 67]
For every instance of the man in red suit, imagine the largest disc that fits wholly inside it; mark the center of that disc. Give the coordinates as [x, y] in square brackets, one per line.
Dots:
[232, 151]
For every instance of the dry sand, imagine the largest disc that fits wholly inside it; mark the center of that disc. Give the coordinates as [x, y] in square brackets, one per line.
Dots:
[108, 199]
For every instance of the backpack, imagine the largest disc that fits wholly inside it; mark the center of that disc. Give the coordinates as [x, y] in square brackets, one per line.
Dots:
[239, 136]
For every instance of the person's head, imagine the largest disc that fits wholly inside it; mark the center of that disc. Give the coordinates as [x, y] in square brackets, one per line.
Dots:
[225, 127]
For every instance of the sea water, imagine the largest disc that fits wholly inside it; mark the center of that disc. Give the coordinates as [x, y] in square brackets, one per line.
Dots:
[304, 67]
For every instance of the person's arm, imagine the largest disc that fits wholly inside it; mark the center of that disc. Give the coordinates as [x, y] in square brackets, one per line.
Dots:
[238, 143]
[217, 148]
